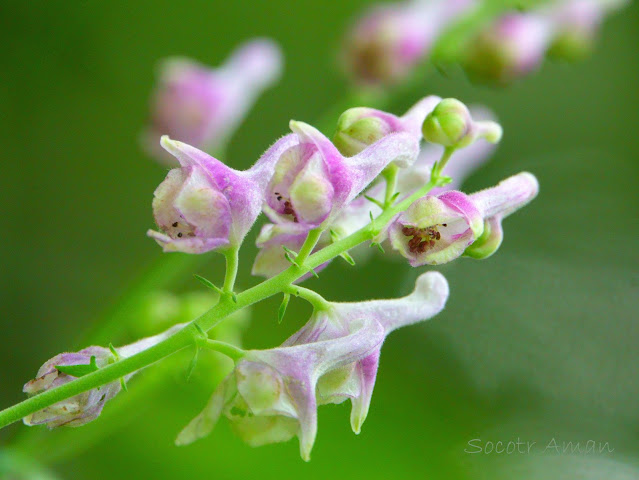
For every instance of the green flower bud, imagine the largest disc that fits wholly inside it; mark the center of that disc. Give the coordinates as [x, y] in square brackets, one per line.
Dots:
[449, 124]
[357, 128]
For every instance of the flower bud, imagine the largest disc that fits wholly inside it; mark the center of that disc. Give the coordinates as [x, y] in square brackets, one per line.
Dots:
[63, 368]
[450, 124]
[359, 127]
[202, 106]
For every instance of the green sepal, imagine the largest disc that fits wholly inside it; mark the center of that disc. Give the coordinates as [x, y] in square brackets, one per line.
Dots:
[376, 202]
[79, 370]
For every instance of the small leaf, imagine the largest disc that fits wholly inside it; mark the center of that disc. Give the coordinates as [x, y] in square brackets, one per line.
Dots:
[346, 256]
[314, 273]
[380, 248]
[114, 352]
[192, 364]
[207, 283]
[282, 310]
[289, 251]
[334, 235]
[370, 214]
[123, 385]
[375, 201]
[78, 370]
[201, 331]
[233, 297]
[394, 197]
[290, 260]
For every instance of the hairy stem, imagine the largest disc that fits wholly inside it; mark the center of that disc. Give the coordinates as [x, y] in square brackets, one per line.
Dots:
[227, 349]
[232, 263]
[315, 299]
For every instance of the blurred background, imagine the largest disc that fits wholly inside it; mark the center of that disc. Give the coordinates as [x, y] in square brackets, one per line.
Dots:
[538, 343]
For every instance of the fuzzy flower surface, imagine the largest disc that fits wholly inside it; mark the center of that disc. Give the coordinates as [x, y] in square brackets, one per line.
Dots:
[313, 182]
[65, 367]
[205, 205]
[202, 106]
[439, 228]
[273, 395]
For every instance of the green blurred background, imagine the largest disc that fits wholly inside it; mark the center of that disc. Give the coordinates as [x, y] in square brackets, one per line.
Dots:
[537, 342]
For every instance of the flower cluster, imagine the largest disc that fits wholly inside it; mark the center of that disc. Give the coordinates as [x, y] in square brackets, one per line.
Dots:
[517, 43]
[390, 41]
[379, 179]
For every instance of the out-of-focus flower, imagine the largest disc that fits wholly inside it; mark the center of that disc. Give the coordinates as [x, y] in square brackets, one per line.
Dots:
[391, 40]
[438, 229]
[273, 395]
[577, 23]
[202, 106]
[513, 46]
[360, 127]
[516, 44]
[206, 205]
[65, 367]
[313, 181]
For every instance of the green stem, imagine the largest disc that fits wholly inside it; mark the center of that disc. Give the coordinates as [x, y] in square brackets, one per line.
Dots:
[315, 299]
[391, 184]
[232, 263]
[439, 166]
[309, 244]
[190, 334]
[231, 351]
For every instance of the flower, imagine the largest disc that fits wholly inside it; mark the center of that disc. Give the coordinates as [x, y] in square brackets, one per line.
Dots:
[511, 47]
[272, 395]
[205, 205]
[387, 43]
[313, 181]
[439, 229]
[202, 106]
[357, 128]
[450, 124]
[63, 368]
[577, 24]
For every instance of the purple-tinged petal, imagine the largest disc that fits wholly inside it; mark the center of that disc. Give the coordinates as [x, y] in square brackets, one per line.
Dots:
[507, 196]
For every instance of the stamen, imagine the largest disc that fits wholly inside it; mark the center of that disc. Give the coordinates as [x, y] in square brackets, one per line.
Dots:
[422, 238]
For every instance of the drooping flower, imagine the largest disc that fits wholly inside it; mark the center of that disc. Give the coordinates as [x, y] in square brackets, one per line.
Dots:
[201, 106]
[387, 43]
[359, 127]
[65, 367]
[273, 395]
[206, 205]
[438, 229]
[313, 181]
[270, 396]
